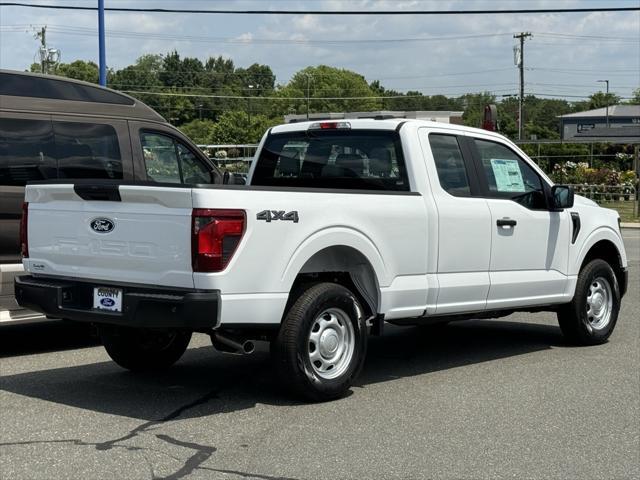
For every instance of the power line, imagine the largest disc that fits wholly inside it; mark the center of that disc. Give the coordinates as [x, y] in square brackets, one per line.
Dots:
[325, 12]
[132, 68]
[580, 70]
[242, 97]
[88, 31]
[366, 97]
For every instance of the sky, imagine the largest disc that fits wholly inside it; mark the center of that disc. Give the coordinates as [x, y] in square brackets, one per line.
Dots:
[451, 55]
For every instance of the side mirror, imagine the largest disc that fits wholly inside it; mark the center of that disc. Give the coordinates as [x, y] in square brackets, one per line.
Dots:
[239, 180]
[225, 177]
[561, 197]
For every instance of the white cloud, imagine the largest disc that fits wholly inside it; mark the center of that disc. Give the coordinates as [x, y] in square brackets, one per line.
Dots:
[428, 61]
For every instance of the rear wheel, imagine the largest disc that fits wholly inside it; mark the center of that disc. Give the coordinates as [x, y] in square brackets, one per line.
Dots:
[592, 314]
[322, 343]
[144, 349]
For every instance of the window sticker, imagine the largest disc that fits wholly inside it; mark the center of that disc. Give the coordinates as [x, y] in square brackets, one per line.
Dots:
[508, 175]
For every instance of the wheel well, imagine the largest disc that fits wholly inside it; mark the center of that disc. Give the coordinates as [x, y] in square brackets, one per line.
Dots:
[608, 252]
[345, 266]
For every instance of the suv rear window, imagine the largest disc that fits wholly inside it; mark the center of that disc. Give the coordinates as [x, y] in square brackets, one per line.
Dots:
[353, 159]
[42, 150]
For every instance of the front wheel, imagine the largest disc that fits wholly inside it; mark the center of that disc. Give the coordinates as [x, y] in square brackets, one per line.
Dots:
[589, 319]
[141, 349]
[322, 343]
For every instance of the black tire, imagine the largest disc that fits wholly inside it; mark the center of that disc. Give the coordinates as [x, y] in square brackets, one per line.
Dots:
[142, 349]
[293, 347]
[574, 317]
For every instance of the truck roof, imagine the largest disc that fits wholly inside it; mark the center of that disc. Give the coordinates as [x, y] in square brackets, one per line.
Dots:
[373, 124]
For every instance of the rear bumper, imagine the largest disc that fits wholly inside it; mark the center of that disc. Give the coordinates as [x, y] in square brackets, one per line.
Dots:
[142, 307]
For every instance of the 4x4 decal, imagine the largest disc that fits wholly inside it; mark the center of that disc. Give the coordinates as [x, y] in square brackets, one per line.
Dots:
[273, 215]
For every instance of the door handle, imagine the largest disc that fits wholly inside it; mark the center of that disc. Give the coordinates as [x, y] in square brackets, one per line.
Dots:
[506, 222]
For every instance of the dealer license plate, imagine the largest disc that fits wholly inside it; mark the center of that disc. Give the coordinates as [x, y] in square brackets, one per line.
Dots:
[107, 298]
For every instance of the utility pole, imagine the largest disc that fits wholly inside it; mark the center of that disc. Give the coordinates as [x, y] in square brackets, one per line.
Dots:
[43, 48]
[607, 98]
[101, 44]
[48, 56]
[308, 81]
[520, 63]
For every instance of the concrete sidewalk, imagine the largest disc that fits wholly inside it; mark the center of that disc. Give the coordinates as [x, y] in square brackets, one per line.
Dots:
[630, 225]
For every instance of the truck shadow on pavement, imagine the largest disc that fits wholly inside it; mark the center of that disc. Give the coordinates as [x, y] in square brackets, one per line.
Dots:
[50, 336]
[215, 383]
[206, 383]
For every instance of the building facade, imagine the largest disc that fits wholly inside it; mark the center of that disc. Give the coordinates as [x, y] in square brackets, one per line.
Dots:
[580, 124]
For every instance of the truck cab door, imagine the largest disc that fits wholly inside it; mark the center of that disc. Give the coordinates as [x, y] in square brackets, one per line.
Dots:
[463, 226]
[529, 243]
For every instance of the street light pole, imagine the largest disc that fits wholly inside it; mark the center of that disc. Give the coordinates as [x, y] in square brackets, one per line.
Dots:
[101, 45]
[251, 87]
[607, 98]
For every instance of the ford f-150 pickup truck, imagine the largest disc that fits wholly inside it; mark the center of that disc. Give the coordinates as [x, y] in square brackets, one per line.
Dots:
[342, 226]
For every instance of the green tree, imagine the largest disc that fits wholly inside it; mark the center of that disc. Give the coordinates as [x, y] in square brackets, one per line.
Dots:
[200, 131]
[635, 100]
[80, 70]
[86, 71]
[324, 86]
[142, 75]
[234, 127]
[473, 105]
[600, 100]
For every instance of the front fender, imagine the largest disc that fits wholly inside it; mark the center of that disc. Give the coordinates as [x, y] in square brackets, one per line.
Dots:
[600, 234]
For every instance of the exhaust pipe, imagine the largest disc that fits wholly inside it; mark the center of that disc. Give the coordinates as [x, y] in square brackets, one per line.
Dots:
[229, 344]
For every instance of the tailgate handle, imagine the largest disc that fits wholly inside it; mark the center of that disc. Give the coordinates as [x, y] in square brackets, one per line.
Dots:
[106, 193]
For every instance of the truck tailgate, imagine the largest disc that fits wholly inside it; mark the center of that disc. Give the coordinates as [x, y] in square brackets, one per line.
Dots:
[140, 236]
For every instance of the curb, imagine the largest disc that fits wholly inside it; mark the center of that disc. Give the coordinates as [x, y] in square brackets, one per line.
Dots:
[630, 225]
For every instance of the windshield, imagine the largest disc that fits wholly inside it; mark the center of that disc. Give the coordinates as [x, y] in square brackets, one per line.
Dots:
[352, 159]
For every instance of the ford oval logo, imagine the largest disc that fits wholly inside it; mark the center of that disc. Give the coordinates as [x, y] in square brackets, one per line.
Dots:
[102, 225]
[107, 302]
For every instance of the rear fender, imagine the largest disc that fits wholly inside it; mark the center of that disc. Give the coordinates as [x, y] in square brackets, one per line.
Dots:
[332, 237]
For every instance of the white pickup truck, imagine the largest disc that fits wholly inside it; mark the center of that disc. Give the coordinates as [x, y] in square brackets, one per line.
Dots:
[342, 226]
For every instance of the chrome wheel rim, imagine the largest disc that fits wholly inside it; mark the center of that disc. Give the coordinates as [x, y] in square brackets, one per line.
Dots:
[599, 304]
[331, 343]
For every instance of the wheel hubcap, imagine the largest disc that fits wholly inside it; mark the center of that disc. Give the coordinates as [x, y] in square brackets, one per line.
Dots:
[599, 304]
[331, 343]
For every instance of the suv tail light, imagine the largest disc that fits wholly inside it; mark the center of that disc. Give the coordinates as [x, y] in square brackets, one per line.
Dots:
[24, 238]
[215, 235]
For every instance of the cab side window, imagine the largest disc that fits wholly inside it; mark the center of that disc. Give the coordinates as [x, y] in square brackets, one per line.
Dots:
[169, 161]
[452, 173]
[509, 176]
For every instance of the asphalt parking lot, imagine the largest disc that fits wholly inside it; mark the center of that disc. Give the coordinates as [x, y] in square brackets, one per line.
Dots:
[478, 399]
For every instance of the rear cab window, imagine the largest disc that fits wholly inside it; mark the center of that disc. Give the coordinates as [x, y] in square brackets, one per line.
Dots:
[333, 159]
[452, 172]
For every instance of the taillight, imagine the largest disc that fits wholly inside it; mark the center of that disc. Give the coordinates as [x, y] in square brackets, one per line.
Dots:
[215, 236]
[24, 238]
